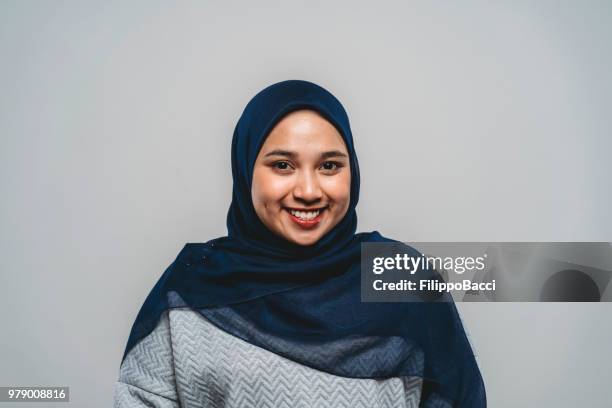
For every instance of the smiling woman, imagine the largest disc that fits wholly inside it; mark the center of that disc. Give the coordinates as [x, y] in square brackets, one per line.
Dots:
[271, 314]
[302, 179]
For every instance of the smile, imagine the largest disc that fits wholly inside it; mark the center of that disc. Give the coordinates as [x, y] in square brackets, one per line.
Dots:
[306, 218]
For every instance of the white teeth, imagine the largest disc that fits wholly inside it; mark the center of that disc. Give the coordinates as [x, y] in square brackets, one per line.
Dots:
[305, 215]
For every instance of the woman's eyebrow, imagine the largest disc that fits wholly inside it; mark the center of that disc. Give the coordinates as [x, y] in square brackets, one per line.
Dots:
[292, 155]
[333, 153]
[280, 152]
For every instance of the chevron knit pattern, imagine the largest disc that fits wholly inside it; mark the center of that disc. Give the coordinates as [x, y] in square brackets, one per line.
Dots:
[189, 362]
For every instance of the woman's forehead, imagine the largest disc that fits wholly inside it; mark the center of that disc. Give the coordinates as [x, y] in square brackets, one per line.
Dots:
[304, 128]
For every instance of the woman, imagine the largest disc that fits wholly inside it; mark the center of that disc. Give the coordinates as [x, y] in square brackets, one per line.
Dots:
[270, 316]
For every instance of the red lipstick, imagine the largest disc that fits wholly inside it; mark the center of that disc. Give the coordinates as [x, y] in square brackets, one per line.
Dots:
[307, 224]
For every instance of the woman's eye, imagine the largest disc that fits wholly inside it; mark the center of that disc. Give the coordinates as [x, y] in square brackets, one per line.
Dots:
[281, 165]
[330, 166]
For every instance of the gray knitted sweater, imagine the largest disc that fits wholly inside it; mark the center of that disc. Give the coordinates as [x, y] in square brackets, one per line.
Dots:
[189, 362]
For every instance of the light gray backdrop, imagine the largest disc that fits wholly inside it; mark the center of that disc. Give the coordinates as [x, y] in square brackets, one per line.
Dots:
[481, 121]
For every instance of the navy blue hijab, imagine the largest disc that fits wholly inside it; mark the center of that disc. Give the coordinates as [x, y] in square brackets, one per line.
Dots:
[304, 302]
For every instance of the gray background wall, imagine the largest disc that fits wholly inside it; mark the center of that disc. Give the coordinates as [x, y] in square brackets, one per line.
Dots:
[477, 121]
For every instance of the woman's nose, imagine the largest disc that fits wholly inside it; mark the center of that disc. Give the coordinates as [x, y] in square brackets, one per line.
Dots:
[307, 187]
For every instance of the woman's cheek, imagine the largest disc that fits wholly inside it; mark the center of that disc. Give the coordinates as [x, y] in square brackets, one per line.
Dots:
[339, 188]
[277, 187]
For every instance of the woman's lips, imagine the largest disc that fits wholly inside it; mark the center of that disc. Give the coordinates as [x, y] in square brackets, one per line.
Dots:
[306, 224]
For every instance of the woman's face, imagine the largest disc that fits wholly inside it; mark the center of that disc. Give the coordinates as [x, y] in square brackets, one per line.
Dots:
[302, 179]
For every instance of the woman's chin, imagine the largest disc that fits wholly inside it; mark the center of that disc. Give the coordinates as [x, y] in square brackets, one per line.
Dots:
[304, 238]
[302, 235]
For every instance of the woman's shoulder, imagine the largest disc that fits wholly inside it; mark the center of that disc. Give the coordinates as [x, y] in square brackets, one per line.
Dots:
[149, 364]
[152, 356]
